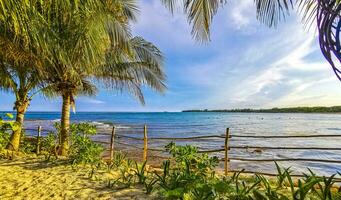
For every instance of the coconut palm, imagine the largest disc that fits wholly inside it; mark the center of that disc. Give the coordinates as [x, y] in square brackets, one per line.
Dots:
[91, 42]
[123, 71]
[23, 82]
[74, 37]
[19, 74]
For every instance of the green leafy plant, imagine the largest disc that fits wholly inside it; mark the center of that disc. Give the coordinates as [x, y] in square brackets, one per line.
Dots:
[83, 150]
[140, 172]
[5, 127]
[191, 175]
[49, 146]
[28, 144]
[324, 190]
[303, 188]
[149, 184]
[269, 193]
[282, 175]
[118, 160]
[242, 189]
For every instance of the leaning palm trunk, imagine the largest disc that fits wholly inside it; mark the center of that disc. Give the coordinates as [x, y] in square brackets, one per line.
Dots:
[65, 125]
[15, 138]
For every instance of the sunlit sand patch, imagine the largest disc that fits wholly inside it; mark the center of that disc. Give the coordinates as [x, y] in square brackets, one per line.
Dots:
[35, 179]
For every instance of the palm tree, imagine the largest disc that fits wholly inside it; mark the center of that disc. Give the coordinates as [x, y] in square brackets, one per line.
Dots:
[23, 82]
[200, 14]
[91, 42]
[123, 71]
[72, 37]
[19, 73]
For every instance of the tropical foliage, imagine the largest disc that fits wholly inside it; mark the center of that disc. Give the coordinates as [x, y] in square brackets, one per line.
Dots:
[83, 150]
[5, 127]
[74, 46]
[23, 81]
[188, 175]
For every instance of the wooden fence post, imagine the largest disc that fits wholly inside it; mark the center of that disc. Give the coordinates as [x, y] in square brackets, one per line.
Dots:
[145, 143]
[226, 161]
[38, 140]
[112, 143]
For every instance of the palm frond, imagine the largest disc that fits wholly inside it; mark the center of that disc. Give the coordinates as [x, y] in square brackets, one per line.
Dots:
[7, 79]
[130, 71]
[271, 12]
[199, 13]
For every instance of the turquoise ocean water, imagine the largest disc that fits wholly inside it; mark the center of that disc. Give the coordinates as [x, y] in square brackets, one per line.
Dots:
[166, 124]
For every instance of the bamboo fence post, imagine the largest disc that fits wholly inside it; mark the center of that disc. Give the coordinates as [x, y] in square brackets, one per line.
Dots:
[226, 161]
[145, 143]
[38, 140]
[113, 132]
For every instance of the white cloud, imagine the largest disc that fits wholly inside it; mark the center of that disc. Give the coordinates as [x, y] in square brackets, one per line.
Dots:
[157, 24]
[242, 13]
[89, 100]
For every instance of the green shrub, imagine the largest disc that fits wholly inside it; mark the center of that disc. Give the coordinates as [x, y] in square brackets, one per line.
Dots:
[28, 144]
[140, 172]
[5, 128]
[83, 150]
[192, 175]
[49, 145]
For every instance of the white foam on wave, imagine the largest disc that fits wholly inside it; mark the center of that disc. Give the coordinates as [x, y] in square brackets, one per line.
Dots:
[122, 127]
[100, 124]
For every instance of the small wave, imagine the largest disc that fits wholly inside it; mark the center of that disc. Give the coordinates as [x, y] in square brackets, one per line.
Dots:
[97, 123]
[100, 124]
[123, 127]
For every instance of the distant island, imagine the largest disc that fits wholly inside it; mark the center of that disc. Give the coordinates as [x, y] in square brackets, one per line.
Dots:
[317, 109]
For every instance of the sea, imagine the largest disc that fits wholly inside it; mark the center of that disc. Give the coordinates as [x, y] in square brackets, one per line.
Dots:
[188, 124]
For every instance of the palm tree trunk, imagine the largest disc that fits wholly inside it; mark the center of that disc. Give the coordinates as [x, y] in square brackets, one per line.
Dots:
[65, 126]
[14, 142]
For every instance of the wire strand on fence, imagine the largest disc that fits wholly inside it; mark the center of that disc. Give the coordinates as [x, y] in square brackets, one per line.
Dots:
[129, 137]
[101, 142]
[286, 159]
[293, 148]
[129, 145]
[176, 138]
[154, 149]
[283, 136]
[211, 151]
[187, 138]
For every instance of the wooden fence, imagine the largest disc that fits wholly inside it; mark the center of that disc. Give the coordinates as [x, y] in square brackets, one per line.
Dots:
[226, 159]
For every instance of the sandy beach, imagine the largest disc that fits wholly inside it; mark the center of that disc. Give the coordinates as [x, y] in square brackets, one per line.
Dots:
[37, 179]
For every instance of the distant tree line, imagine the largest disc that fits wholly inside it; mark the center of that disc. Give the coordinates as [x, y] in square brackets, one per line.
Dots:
[318, 109]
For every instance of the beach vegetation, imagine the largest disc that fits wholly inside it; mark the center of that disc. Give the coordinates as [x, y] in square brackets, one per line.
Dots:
[83, 150]
[118, 159]
[5, 127]
[140, 172]
[49, 145]
[188, 175]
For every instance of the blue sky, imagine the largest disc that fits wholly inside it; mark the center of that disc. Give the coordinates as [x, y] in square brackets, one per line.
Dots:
[246, 65]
